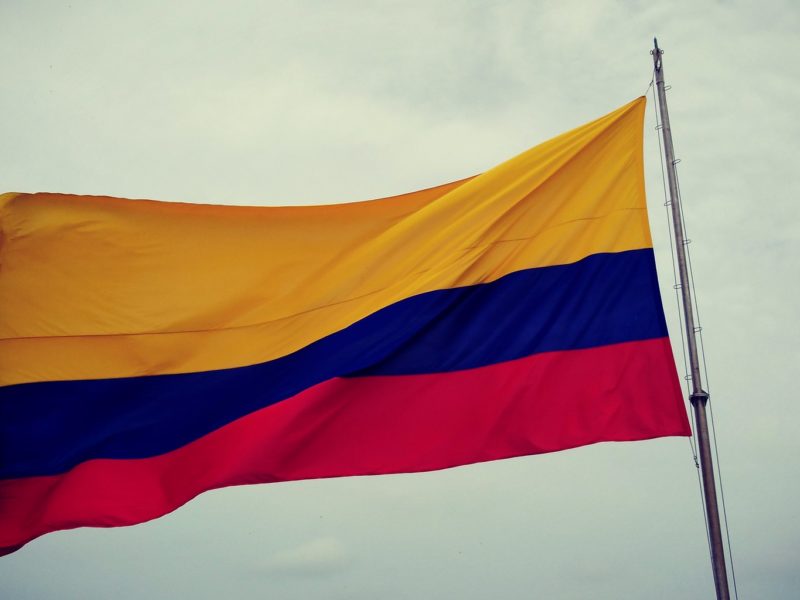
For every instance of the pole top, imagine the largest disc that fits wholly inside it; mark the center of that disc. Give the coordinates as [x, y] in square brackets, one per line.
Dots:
[656, 52]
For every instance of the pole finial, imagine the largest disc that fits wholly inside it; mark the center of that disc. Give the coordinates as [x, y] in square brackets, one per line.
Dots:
[656, 52]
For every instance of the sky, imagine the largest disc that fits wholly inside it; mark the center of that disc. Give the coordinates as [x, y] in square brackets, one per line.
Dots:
[276, 103]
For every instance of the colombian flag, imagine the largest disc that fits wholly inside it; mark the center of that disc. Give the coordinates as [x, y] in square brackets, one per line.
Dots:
[150, 351]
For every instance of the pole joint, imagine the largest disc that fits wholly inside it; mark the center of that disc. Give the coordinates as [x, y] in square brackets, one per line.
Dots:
[700, 398]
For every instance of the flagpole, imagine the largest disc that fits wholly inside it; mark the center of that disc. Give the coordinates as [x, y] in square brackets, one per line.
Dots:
[698, 397]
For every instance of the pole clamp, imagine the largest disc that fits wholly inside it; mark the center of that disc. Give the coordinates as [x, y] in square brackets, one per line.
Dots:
[700, 397]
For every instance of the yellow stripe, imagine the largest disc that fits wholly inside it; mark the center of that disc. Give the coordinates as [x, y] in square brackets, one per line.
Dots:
[95, 287]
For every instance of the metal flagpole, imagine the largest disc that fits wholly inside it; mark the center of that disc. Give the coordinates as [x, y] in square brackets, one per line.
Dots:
[699, 397]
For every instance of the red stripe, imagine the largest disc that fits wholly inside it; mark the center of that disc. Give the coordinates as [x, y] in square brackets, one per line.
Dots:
[374, 425]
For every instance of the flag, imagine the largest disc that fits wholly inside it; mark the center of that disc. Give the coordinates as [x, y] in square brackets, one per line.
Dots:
[150, 351]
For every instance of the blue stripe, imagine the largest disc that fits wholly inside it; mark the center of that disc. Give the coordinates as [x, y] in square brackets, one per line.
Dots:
[48, 427]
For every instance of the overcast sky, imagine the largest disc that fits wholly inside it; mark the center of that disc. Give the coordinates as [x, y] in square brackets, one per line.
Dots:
[316, 102]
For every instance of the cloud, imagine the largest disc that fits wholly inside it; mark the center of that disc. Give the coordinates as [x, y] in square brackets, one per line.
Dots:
[319, 557]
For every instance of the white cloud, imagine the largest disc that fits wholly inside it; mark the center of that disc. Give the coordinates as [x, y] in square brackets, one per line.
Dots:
[320, 556]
